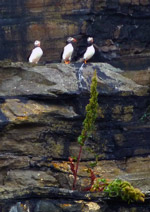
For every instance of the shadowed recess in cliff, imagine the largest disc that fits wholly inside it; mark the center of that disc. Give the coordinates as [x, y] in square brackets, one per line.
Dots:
[3, 119]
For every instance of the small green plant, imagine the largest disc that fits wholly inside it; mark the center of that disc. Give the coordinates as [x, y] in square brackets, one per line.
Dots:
[124, 190]
[91, 113]
[99, 185]
[116, 188]
[146, 115]
[88, 126]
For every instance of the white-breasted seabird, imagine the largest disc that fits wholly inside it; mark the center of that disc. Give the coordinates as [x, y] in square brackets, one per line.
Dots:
[90, 51]
[68, 50]
[36, 53]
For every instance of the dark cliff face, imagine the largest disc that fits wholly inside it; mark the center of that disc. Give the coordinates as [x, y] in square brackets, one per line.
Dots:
[43, 107]
[120, 28]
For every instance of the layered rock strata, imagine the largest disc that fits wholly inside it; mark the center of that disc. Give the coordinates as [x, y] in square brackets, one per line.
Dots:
[120, 28]
[41, 113]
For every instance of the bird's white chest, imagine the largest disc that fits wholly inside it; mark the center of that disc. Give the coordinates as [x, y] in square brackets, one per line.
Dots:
[89, 52]
[37, 52]
[68, 50]
[36, 55]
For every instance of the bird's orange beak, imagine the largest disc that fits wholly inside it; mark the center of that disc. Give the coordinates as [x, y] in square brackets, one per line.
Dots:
[74, 40]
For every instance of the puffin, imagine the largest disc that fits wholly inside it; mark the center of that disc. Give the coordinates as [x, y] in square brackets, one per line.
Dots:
[90, 51]
[68, 50]
[36, 53]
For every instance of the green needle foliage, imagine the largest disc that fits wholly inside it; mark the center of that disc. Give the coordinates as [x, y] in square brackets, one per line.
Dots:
[91, 113]
[88, 124]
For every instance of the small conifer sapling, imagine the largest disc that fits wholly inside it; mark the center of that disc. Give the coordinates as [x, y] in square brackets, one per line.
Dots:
[88, 124]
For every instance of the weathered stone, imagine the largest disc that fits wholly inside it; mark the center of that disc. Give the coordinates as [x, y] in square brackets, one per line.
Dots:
[27, 178]
[21, 79]
[135, 170]
[141, 77]
[68, 202]
[125, 1]
[144, 2]
[12, 161]
[52, 123]
[46, 206]
[42, 109]
[136, 2]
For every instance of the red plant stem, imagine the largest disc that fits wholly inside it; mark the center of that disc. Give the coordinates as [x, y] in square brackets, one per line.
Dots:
[76, 170]
[92, 177]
